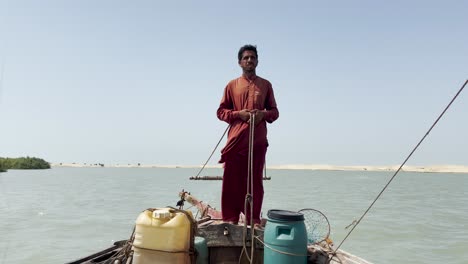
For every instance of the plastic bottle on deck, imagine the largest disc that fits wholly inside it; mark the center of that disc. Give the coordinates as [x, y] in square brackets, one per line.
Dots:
[161, 236]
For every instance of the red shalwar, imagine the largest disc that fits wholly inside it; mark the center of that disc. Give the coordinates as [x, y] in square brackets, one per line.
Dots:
[239, 94]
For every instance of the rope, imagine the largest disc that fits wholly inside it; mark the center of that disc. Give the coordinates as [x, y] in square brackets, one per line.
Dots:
[2, 71]
[213, 151]
[279, 251]
[166, 251]
[248, 197]
[251, 176]
[404, 162]
[125, 252]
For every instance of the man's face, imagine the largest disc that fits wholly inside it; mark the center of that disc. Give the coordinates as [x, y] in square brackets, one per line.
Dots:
[248, 61]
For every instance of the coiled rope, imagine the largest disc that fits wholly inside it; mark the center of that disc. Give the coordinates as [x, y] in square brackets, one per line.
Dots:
[404, 162]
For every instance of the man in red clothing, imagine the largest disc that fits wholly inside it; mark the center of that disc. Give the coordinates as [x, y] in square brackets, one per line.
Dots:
[245, 97]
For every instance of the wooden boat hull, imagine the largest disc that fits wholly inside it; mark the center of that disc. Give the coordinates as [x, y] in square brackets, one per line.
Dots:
[226, 245]
[103, 256]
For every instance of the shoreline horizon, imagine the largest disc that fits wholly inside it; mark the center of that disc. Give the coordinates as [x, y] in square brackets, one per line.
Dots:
[316, 167]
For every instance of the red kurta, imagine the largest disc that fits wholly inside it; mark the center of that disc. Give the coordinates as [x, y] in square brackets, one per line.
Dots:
[240, 94]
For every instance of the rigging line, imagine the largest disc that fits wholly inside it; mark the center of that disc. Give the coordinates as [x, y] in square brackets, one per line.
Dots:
[213, 151]
[404, 162]
[2, 186]
[2, 70]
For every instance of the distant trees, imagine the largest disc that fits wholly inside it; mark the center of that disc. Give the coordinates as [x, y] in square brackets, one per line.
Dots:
[23, 163]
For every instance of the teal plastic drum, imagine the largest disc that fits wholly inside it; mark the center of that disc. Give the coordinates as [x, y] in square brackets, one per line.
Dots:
[202, 250]
[285, 238]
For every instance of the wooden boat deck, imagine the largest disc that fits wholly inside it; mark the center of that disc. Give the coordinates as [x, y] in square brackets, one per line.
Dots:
[225, 242]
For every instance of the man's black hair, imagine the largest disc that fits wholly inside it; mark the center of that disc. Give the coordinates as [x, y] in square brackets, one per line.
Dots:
[247, 47]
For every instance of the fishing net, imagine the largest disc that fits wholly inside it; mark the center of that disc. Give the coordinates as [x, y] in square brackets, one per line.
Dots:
[317, 225]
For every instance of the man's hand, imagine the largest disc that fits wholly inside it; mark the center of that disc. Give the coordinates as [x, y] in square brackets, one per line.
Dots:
[259, 115]
[244, 115]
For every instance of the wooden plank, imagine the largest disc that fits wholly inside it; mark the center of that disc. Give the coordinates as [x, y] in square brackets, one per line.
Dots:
[228, 235]
[231, 255]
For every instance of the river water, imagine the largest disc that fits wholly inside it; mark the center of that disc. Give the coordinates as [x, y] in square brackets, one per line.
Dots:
[62, 214]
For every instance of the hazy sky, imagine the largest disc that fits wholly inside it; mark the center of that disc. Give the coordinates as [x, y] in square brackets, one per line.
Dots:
[357, 82]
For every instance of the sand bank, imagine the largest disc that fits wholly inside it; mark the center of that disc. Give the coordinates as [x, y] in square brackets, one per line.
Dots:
[433, 168]
[392, 168]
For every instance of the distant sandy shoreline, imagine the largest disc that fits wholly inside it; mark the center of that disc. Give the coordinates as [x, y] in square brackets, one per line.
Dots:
[428, 169]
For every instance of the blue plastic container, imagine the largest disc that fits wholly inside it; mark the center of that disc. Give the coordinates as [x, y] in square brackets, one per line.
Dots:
[202, 250]
[285, 238]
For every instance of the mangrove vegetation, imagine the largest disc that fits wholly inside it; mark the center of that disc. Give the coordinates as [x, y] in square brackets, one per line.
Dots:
[23, 163]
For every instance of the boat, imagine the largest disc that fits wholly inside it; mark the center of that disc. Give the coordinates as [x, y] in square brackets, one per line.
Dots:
[225, 243]
[231, 243]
